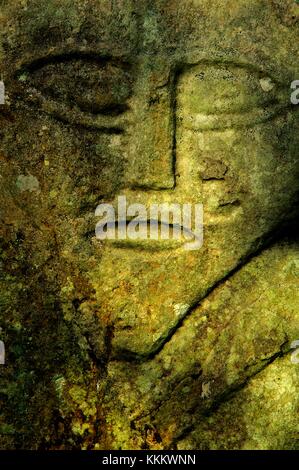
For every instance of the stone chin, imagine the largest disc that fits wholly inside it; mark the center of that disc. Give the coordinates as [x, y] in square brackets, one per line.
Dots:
[143, 295]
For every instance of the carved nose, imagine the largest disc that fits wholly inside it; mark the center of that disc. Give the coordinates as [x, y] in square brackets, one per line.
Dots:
[152, 153]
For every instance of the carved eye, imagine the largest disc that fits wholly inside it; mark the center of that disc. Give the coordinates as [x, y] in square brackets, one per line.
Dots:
[218, 96]
[80, 90]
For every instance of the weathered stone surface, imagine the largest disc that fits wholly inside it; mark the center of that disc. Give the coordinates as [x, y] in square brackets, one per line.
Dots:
[147, 345]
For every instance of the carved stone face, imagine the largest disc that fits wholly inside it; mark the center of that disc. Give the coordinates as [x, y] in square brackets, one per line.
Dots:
[178, 102]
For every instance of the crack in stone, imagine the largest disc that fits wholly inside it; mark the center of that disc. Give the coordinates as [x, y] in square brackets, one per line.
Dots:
[231, 392]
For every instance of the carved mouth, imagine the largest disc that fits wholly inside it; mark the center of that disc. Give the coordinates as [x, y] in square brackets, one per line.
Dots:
[149, 234]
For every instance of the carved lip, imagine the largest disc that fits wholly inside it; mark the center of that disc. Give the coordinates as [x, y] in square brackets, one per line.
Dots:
[166, 235]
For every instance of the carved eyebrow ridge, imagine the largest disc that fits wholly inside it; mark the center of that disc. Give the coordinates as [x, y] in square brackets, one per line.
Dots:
[92, 57]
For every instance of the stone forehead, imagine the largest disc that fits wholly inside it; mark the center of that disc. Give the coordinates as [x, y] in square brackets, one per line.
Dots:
[261, 32]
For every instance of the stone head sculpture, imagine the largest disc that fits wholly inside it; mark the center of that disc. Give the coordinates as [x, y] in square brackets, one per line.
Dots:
[179, 102]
